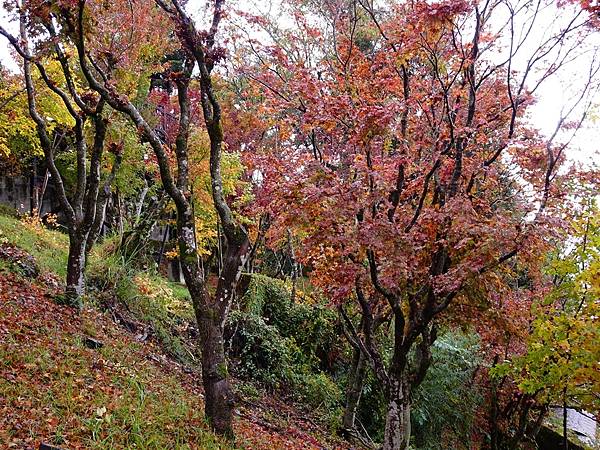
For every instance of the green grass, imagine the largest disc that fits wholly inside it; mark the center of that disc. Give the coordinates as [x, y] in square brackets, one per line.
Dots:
[49, 248]
[114, 397]
[179, 290]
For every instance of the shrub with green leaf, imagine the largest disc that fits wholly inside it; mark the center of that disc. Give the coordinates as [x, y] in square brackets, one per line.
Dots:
[274, 341]
[446, 402]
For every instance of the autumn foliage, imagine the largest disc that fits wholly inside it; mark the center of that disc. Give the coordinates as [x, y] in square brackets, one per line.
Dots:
[386, 151]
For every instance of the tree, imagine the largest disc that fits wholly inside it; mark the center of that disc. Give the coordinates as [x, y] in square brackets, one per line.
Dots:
[83, 212]
[199, 51]
[413, 174]
[560, 364]
[18, 136]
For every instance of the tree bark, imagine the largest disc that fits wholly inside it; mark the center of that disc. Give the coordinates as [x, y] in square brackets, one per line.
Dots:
[33, 190]
[211, 312]
[140, 203]
[219, 398]
[102, 199]
[397, 422]
[354, 389]
[75, 270]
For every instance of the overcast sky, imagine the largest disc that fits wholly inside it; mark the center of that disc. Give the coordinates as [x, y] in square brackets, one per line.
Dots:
[555, 94]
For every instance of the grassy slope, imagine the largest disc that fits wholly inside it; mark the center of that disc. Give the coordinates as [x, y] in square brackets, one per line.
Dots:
[127, 394]
[49, 248]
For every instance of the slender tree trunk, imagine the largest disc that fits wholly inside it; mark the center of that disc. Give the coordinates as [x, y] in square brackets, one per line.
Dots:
[565, 421]
[33, 190]
[120, 225]
[163, 243]
[397, 422]
[101, 206]
[97, 226]
[354, 389]
[494, 417]
[42, 193]
[75, 270]
[140, 203]
[99, 219]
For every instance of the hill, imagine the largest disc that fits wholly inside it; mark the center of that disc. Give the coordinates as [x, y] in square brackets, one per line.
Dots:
[106, 377]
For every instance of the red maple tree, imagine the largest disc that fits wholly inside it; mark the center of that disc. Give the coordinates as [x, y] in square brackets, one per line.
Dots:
[407, 167]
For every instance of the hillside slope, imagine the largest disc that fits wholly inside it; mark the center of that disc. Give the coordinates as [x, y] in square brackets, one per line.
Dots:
[84, 381]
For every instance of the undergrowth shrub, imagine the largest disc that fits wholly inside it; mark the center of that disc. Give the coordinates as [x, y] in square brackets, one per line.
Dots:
[8, 211]
[322, 393]
[311, 323]
[286, 345]
[444, 406]
[259, 351]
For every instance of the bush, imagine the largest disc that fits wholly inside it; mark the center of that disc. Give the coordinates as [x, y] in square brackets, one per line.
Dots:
[8, 211]
[322, 394]
[259, 351]
[279, 343]
[318, 390]
[311, 324]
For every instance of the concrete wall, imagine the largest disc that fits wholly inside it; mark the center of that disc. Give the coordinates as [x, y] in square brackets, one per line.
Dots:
[16, 192]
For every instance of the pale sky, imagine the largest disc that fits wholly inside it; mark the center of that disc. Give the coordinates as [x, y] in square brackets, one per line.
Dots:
[555, 94]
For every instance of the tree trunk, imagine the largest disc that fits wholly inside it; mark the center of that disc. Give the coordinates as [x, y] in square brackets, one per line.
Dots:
[97, 226]
[397, 422]
[33, 190]
[565, 421]
[211, 312]
[140, 203]
[42, 193]
[75, 270]
[219, 398]
[354, 389]
[220, 401]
